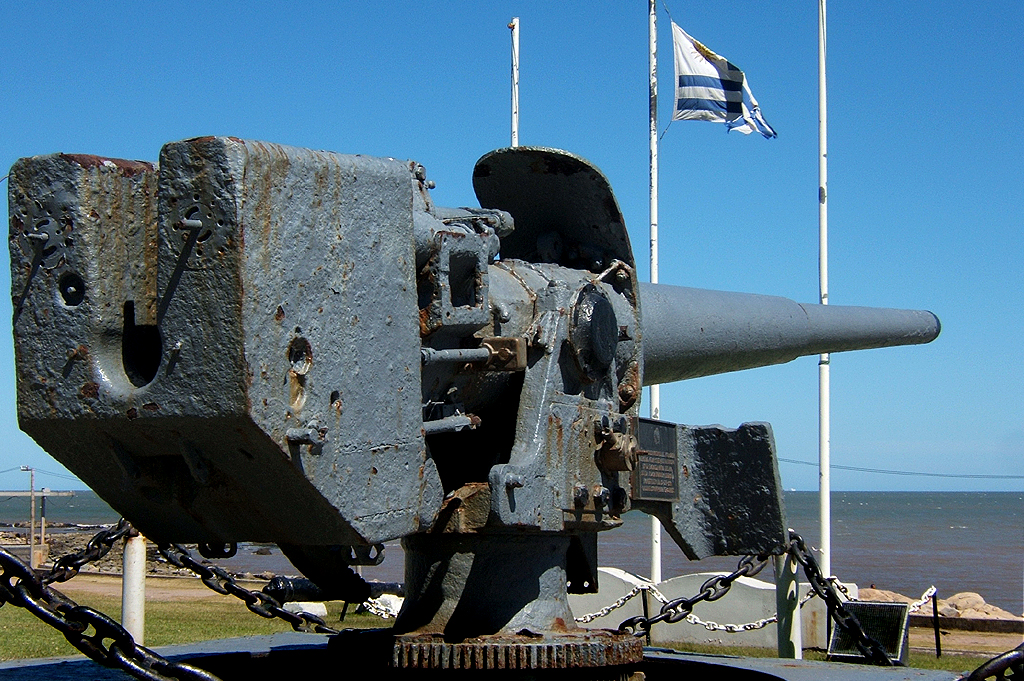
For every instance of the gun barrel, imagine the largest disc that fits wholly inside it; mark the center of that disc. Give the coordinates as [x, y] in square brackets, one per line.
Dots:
[688, 333]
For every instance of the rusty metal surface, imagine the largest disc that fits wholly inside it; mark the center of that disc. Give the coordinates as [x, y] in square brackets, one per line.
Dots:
[261, 254]
[595, 648]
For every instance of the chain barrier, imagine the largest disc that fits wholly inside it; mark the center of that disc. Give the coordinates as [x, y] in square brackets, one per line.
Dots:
[375, 606]
[691, 618]
[109, 643]
[749, 626]
[928, 594]
[258, 602]
[21, 586]
[635, 591]
[844, 619]
[66, 567]
[681, 608]
[678, 609]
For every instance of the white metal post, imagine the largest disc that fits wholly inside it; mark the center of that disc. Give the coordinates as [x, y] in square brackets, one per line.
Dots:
[655, 390]
[32, 515]
[514, 25]
[824, 463]
[787, 605]
[133, 586]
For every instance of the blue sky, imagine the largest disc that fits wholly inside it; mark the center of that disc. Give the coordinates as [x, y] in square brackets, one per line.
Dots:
[925, 171]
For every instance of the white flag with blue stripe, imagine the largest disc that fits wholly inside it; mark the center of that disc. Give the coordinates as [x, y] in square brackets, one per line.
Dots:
[709, 88]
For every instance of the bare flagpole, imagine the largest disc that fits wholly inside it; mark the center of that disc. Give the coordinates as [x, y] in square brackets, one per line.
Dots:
[655, 390]
[514, 25]
[824, 463]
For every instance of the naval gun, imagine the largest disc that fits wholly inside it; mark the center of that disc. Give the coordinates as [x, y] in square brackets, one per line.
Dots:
[249, 341]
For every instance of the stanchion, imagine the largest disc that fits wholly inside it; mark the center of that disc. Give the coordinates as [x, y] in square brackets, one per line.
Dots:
[133, 586]
[787, 605]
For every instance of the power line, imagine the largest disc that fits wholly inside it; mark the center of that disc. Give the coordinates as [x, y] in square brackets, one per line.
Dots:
[883, 471]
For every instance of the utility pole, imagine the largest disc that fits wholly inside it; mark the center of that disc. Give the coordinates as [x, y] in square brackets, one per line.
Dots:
[32, 515]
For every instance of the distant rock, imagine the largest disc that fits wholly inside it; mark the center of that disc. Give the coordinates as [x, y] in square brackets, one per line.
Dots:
[964, 604]
[882, 596]
[970, 604]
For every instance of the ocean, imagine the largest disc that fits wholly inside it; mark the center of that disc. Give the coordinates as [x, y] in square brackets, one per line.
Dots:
[900, 541]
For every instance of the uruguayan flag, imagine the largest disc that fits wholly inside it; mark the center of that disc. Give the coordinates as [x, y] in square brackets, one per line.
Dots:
[709, 88]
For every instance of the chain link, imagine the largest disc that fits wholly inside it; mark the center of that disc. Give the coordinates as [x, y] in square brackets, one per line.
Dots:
[375, 606]
[925, 597]
[749, 626]
[682, 608]
[66, 567]
[844, 619]
[678, 609]
[109, 644]
[635, 591]
[691, 618]
[20, 586]
[258, 602]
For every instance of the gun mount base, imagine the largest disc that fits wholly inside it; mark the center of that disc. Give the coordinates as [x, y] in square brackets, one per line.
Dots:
[490, 600]
[585, 654]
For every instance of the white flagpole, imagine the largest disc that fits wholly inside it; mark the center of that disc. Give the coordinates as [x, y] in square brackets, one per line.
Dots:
[824, 464]
[514, 25]
[655, 390]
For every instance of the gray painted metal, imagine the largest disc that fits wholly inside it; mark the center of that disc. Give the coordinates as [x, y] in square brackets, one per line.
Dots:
[265, 656]
[257, 342]
[729, 498]
[684, 665]
[172, 386]
[692, 332]
[564, 209]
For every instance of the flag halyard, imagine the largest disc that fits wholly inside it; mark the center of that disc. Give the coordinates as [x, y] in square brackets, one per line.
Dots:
[710, 88]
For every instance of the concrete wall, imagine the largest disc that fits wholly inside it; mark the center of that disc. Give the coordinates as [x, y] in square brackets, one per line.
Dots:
[747, 601]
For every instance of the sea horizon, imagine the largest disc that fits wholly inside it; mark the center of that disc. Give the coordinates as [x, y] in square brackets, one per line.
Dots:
[898, 541]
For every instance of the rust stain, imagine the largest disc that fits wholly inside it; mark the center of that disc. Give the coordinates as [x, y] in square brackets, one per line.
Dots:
[132, 414]
[127, 168]
[279, 315]
[151, 406]
[90, 390]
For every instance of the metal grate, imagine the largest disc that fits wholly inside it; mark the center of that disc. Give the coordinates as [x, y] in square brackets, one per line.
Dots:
[884, 622]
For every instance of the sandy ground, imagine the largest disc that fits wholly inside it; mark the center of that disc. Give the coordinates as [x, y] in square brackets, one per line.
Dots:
[963, 642]
[190, 589]
[157, 588]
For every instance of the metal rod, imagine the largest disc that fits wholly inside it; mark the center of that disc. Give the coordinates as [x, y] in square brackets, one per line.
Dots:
[133, 586]
[32, 515]
[432, 356]
[450, 424]
[655, 407]
[824, 426]
[42, 519]
[935, 624]
[514, 25]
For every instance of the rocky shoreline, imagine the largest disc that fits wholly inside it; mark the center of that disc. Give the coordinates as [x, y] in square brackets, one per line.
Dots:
[967, 604]
[68, 539]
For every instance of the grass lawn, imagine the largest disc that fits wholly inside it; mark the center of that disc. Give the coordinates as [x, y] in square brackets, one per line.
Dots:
[23, 636]
[184, 611]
